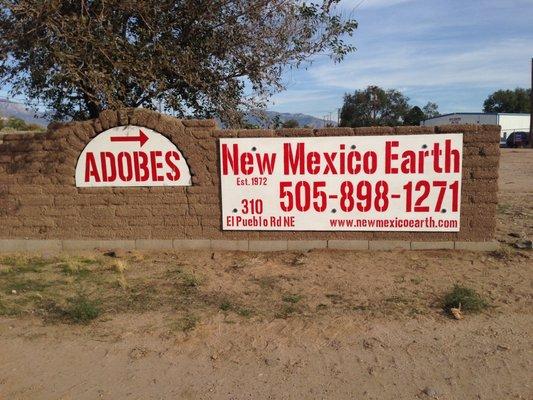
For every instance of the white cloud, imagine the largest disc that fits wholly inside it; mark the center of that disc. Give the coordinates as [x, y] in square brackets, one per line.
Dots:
[504, 63]
[361, 4]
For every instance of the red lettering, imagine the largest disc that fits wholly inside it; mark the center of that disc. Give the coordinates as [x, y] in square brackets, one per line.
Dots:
[291, 161]
[266, 164]
[155, 164]
[112, 175]
[90, 168]
[390, 157]
[247, 161]
[142, 173]
[175, 175]
[229, 158]
[125, 172]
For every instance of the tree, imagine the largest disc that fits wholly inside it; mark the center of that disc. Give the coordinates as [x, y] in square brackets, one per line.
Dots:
[290, 123]
[18, 124]
[275, 123]
[414, 117]
[199, 57]
[508, 101]
[431, 110]
[374, 106]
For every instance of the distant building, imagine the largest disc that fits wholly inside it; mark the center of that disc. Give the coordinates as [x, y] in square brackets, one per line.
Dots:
[509, 122]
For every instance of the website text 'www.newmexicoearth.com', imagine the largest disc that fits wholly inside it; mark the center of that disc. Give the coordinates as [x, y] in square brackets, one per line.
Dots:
[427, 222]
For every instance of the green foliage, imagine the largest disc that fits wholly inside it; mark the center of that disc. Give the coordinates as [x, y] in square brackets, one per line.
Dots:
[17, 124]
[465, 298]
[187, 323]
[292, 298]
[276, 122]
[76, 58]
[508, 101]
[414, 117]
[374, 106]
[82, 310]
[431, 110]
[291, 123]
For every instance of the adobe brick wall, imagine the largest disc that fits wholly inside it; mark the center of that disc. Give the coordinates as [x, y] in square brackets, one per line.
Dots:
[39, 200]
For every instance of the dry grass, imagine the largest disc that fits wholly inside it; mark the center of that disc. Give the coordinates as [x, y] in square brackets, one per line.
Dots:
[197, 286]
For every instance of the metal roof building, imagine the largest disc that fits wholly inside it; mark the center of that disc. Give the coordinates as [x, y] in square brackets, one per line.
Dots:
[509, 122]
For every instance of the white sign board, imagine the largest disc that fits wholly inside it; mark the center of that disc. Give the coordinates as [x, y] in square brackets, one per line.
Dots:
[349, 183]
[131, 156]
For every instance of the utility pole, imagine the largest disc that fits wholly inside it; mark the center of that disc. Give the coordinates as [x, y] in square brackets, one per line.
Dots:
[531, 109]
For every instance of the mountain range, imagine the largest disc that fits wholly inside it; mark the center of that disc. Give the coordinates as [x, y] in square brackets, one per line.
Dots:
[262, 119]
[12, 109]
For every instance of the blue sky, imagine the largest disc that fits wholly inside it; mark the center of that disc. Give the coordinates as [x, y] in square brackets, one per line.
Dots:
[452, 52]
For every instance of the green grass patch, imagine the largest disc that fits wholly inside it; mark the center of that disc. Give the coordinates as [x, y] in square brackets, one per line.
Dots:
[292, 298]
[21, 284]
[465, 298]
[286, 311]
[187, 323]
[244, 312]
[82, 310]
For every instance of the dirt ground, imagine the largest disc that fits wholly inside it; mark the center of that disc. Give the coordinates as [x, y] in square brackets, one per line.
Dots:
[288, 325]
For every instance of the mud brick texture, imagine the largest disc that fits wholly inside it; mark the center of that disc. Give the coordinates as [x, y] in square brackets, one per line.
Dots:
[39, 199]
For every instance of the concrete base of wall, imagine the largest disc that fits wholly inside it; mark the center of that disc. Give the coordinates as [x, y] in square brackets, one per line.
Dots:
[41, 246]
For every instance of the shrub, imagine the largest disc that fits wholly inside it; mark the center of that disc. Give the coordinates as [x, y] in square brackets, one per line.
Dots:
[81, 310]
[465, 298]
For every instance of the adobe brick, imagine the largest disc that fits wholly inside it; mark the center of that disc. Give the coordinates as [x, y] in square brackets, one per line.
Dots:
[36, 200]
[373, 131]
[337, 131]
[414, 130]
[108, 119]
[483, 173]
[133, 212]
[255, 133]
[199, 123]
[170, 126]
[292, 132]
[97, 126]
[481, 137]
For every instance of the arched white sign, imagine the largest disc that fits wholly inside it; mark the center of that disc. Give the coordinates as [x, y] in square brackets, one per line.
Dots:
[131, 156]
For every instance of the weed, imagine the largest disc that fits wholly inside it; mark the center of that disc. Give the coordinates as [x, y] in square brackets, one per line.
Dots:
[292, 298]
[82, 309]
[118, 266]
[121, 281]
[21, 264]
[187, 323]
[244, 312]
[504, 208]
[465, 298]
[416, 280]
[397, 300]
[190, 280]
[299, 260]
[25, 285]
[72, 268]
[225, 305]
[334, 298]
[286, 311]
[267, 282]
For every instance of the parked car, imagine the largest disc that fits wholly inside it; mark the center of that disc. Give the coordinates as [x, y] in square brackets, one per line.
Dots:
[517, 139]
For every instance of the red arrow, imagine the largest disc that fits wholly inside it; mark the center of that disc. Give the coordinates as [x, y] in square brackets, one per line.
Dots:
[142, 138]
